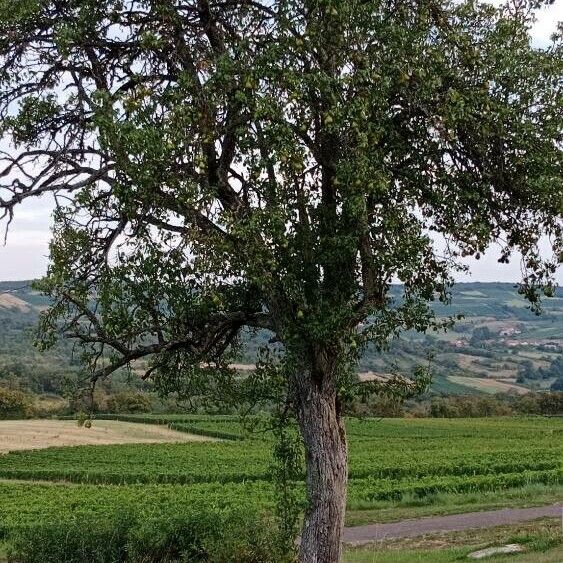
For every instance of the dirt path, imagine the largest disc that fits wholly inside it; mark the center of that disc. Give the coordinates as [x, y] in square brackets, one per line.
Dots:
[454, 522]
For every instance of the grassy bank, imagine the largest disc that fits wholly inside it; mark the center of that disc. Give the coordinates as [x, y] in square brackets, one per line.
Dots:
[542, 541]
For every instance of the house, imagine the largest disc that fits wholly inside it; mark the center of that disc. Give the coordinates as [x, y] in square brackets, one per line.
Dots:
[509, 331]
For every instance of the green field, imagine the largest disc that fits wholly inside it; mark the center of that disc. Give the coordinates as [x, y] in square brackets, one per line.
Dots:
[393, 462]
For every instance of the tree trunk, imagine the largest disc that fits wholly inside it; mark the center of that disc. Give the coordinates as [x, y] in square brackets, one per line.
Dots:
[326, 456]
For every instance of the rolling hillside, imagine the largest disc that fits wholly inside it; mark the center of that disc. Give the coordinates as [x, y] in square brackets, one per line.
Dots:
[499, 346]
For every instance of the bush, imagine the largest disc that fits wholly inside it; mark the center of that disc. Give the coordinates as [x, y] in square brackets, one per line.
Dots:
[129, 403]
[551, 403]
[468, 406]
[82, 400]
[199, 537]
[76, 541]
[245, 540]
[545, 403]
[173, 539]
[384, 405]
[81, 419]
[15, 404]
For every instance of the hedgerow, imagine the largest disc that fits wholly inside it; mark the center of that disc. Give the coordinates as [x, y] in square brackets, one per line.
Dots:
[204, 535]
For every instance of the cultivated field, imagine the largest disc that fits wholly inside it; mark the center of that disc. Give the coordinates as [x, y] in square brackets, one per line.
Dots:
[36, 434]
[398, 468]
[488, 385]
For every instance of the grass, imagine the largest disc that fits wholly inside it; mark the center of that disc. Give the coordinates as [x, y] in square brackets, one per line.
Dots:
[541, 539]
[456, 503]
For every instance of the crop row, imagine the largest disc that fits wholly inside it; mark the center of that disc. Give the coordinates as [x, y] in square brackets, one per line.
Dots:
[119, 477]
[524, 428]
[141, 463]
[410, 431]
[162, 418]
[236, 462]
[22, 504]
[362, 492]
[209, 429]
[122, 477]
[225, 428]
[383, 442]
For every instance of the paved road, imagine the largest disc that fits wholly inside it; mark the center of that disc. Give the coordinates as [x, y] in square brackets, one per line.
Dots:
[452, 523]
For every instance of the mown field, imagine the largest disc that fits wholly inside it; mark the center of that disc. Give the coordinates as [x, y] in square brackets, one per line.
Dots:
[392, 461]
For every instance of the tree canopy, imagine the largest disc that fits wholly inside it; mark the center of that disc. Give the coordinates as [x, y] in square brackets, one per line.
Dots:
[275, 164]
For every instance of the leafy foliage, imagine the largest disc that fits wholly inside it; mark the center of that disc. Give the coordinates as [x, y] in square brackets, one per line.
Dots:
[211, 536]
[50, 372]
[274, 165]
[14, 404]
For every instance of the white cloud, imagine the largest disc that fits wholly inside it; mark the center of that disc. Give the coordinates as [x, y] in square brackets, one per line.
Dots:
[25, 259]
[546, 22]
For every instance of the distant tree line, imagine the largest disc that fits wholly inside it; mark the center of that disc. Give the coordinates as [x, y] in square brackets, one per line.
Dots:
[465, 406]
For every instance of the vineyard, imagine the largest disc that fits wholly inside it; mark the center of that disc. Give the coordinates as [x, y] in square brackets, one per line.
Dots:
[389, 460]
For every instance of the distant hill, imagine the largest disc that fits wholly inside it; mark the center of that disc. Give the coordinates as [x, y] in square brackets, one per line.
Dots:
[20, 362]
[499, 346]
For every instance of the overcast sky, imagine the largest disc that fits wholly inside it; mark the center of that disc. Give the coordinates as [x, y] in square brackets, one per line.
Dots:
[25, 254]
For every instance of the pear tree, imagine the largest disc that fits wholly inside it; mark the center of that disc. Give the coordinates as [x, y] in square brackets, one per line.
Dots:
[224, 166]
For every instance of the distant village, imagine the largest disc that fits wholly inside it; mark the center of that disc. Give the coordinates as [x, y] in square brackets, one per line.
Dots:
[506, 336]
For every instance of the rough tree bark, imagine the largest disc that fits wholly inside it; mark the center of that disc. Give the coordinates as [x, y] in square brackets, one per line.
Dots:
[326, 452]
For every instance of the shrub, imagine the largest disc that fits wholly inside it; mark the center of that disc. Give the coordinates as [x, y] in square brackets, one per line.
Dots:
[198, 537]
[15, 404]
[384, 405]
[465, 406]
[82, 400]
[246, 540]
[81, 418]
[544, 403]
[75, 541]
[172, 539]
[129, 402]
[468, 406]
[551, 403]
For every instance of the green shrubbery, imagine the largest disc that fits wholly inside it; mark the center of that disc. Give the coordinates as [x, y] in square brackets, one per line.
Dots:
[76, 541]
[129, 402]
[542, 403]
[471, 406]
[15, 404]
[468, 407]
[462, 406]
[201, 537]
